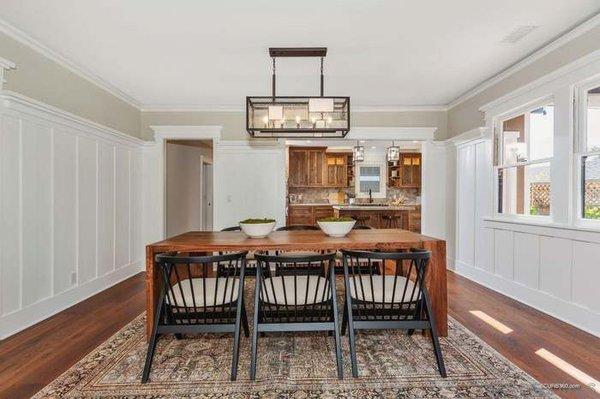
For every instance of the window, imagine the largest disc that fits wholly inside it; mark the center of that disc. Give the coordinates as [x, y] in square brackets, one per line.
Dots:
[590, 155]
[369, 178]
[524, 158]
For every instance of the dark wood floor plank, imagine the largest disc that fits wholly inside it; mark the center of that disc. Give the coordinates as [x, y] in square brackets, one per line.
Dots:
[34, 357]
[532, 330]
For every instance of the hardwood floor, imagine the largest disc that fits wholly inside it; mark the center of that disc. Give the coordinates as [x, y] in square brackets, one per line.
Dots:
[33, 358]
[532, 330]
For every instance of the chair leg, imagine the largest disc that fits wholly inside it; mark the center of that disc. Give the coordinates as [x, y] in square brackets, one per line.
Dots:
[255, 328]
[351, 336]
[239, 314]
[153, 339]
[434, 336]
[344, 320]
[336, 327]
[245, 321]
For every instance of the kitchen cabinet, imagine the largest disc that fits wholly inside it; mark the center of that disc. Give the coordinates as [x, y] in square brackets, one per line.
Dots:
[406, 172]
[336, 170]
[316, 163]
[414, 221]
[313, 167]
[298, 168]
[308, 214]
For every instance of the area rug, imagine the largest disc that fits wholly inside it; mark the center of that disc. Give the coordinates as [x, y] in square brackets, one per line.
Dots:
[391, 364]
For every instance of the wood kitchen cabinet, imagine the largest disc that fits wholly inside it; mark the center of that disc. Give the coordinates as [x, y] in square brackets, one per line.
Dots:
[316, 164]
[336, 169]
[313, 167]
[298, 168]
[308, 214]
[406, 173]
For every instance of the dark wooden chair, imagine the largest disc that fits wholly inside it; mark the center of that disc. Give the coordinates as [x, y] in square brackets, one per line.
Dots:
[392, 221]
[297, 227]
[250, 262]
[388, 301]
[361, 227]
[192, 302]
[295, 302]
[232, 228]
[361, 219]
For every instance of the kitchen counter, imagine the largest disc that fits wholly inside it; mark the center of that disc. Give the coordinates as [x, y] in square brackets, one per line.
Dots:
[314, 204]
[358, 207]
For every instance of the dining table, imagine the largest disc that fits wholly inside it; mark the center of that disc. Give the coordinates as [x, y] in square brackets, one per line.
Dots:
[209, 242]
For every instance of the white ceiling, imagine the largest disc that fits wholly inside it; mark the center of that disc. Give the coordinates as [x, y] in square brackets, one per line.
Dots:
[184, 53]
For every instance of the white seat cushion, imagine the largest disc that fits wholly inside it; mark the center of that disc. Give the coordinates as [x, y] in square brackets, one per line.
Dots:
[273, 293]
[226, 292]
[365, 293]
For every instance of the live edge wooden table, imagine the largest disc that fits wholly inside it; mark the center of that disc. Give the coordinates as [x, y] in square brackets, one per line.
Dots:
[383, 239]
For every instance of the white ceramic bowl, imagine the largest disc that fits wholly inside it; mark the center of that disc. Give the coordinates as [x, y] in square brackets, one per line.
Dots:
[257, 230]
[336, 229]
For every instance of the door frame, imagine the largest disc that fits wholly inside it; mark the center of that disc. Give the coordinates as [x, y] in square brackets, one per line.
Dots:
[162, 133]
[203, 163]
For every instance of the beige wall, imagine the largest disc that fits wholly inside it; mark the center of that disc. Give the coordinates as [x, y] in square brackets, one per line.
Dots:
[466, 116]
[234, 127]
[42, 79]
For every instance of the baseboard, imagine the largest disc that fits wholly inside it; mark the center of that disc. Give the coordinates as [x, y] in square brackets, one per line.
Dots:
[571, 313]
[17, 321]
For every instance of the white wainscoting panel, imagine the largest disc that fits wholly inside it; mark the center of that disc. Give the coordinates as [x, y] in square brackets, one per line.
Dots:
[556, 256]
[70, 210]
[550, 267]
[527, 259]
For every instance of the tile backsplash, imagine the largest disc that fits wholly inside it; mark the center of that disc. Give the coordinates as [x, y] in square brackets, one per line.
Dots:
[337, 195]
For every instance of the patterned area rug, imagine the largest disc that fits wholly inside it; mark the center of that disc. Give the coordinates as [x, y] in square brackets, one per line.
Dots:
[391, 364]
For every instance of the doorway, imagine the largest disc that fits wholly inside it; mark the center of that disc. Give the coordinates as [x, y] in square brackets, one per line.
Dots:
[207, 195]
[188, 186]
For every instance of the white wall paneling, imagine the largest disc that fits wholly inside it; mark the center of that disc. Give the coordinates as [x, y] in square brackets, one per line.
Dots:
[70, 210]
[552, 263]
[551, 267]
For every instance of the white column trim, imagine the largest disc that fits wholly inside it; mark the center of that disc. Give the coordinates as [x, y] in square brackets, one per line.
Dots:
[5, 65]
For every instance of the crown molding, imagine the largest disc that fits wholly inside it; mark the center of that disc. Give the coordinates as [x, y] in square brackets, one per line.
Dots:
[528, 60]
[468, 136]
[63, 61]
[238, 108]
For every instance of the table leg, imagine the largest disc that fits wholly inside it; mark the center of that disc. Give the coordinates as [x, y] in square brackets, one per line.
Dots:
[152, 290]
[436, 284]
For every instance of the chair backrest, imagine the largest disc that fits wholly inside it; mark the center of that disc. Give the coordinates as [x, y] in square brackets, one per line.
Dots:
[298, 227]
[232, 228]
[194, 294]
[396, 292]
[361, 227]
[295, 296]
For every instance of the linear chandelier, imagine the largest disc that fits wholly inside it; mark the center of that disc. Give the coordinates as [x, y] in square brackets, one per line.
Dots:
[297, 116]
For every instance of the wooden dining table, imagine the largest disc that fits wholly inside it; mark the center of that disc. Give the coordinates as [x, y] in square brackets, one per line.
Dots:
[204, 242]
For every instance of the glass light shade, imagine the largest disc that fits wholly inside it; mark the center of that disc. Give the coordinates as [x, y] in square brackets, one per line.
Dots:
[320, 105]
[275, 112]
[358, 153]
[393, 153]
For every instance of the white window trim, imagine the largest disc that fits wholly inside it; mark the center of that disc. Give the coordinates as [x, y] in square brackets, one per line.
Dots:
[581, 150]
[498, 121]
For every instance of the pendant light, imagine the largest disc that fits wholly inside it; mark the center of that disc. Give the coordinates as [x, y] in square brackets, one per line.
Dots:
[358, 153]
[393, 153]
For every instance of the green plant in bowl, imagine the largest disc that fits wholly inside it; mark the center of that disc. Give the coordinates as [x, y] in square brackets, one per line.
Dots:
[257, 227]
[257, 221]
[337, 219]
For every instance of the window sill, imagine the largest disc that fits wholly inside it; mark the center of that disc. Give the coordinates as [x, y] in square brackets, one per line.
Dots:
[543, 223]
